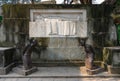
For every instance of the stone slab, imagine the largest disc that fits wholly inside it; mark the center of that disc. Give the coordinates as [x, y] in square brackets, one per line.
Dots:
[63, 53]
[78, 15]
[24, 72]
[7, 69]
[111, 56]
[113, 70]
[85, 70]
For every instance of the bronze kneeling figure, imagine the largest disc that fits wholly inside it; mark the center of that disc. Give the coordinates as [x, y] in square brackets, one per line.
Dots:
[27, 62]
[89, 57]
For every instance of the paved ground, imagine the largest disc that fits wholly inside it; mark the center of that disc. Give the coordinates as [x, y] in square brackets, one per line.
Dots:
[59, 74]
[60, 79]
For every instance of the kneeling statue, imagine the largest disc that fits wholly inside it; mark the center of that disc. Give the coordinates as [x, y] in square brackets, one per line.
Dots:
[27, 62]
[90, 68]
[89, 57]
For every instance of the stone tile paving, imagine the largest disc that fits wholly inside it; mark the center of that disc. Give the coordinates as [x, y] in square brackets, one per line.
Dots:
[58, 74]
[59, 79]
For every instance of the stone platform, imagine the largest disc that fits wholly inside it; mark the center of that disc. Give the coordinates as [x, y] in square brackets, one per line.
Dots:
[113, 70]
[85, 70]
[7, 69]
[59, 72]
[24, 72]
[6, 59]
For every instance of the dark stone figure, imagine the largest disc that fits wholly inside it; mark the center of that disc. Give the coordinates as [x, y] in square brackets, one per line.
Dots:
[27, 62]
[89, 57]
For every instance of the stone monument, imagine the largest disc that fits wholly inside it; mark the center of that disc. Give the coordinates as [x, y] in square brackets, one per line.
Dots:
[27, 67]
[61, 27]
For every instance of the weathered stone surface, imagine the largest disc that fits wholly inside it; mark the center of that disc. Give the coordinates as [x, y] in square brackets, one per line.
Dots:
[113, 70]
[22, 71]
[6, 54]
[85, 70]
[63, 49]
[78, 16]
[6, 59]
[7, 69]
[116, 59]
[2, 35]
[67, 53]
[111, 56]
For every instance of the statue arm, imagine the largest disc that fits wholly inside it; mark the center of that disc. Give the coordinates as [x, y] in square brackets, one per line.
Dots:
[25, 49]
[92, 50]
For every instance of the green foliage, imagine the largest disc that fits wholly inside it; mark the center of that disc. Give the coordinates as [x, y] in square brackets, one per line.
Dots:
[118, 3]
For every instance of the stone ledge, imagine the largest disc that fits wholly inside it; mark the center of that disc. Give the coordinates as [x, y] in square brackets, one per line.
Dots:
[113, 70]
[85, 70]
[7, 69]
[24, 72]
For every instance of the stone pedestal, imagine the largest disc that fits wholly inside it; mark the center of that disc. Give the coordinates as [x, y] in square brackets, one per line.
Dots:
[111, 59]
[113, 70]
[6, 59]
[5, 70]
[85, 70]
[24, 72]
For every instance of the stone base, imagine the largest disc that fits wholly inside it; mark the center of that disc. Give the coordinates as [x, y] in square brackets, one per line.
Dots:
[113, 70]
[85, 70]
[24, 72]
[7, 69]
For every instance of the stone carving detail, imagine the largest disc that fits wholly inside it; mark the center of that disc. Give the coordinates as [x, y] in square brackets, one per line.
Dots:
[66, 23]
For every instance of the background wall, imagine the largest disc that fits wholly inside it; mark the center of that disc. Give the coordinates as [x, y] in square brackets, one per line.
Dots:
[16, 25]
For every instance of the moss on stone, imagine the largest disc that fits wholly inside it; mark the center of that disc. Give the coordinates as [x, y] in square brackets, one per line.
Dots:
[6, 44]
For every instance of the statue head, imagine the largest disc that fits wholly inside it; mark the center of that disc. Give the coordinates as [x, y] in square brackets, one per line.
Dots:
[33, 42]
[88, 48]
[83, 41]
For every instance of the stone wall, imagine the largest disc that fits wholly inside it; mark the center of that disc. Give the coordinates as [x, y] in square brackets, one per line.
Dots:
[2, 30]
[56, 48]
